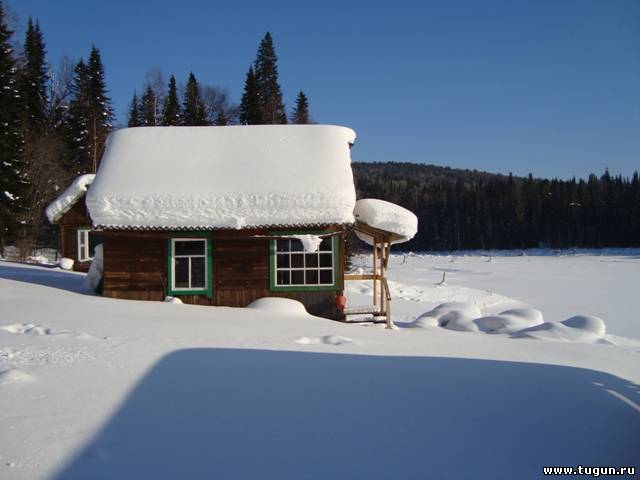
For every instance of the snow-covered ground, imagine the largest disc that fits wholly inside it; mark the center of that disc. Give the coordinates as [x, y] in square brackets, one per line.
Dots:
[100, 388]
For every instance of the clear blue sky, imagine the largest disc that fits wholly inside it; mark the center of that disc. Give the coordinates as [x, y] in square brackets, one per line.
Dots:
[550, 87]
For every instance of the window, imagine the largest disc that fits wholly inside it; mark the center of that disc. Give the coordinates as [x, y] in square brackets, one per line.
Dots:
[87, 243]
[292, 268]
[190, 266]
[84, 252]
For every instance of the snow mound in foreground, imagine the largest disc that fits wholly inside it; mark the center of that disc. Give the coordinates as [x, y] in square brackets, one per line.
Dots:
[452, 315]
[66, 263]
[580, 328]
[510, 321]
[279, 305]
[518, 323]
[175, 300]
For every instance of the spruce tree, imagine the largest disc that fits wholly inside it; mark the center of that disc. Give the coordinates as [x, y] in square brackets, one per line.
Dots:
[193, 109]
[11, 162]
[250, 106]
[33, 79]
[300, 113]
[90, 115]
[134, 112]
[78, 120]
[101, 110]
[148, 113]
[171, 108]
[266, 72]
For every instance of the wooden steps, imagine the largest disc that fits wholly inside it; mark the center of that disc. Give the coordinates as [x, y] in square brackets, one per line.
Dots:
[366, 309]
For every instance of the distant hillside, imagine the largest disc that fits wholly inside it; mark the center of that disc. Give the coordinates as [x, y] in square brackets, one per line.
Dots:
[468, 209]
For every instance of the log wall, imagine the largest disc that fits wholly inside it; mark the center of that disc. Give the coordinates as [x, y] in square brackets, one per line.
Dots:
[136, 268]
[77, 217]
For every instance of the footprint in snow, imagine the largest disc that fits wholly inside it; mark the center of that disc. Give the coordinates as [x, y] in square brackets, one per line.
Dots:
[10, 374]
[324, 340]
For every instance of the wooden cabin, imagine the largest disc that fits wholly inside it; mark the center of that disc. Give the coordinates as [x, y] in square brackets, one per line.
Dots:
[76, 238]
[227, 215]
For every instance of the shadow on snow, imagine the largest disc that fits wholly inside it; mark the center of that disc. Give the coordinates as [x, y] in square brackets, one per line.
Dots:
[48, 277]
[230, 413]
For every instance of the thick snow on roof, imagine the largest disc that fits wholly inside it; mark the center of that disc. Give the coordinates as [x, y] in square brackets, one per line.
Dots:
[69, 197]
[386, 216]
[224, 177]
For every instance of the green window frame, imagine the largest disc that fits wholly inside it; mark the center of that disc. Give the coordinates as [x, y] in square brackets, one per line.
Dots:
[208, 263]
[274, 269]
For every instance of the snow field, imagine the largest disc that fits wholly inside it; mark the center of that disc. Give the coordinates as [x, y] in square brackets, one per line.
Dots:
[92, 387]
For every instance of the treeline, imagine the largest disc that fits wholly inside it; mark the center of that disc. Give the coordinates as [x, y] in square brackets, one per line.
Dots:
[197, 104]
[54, 121]
[464, 209]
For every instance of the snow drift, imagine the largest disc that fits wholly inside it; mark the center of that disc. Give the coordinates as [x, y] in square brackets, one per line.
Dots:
[94, 275]
[279, 305]
[518, 323]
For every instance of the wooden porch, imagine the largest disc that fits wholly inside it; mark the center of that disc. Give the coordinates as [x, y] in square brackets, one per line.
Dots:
[380, 309]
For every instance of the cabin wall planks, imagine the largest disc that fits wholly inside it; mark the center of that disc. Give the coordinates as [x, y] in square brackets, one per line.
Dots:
[136, 266]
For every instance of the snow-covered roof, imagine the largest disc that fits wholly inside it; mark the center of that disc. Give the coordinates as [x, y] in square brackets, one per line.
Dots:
[387, 216]
[224, 177]
[69, 197]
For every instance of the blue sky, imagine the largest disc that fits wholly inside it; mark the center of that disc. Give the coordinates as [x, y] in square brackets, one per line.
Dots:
[550, 87]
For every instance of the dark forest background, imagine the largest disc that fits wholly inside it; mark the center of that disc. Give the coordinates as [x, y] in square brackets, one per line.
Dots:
[467, 209]
[54, 121]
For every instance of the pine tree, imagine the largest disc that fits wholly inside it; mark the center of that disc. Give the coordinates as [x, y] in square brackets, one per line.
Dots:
[11, 144]
[266, 72]
[134, 112]
[171, 108]
[33, 79]
[250, 107]
[148, 112]
[300, 113]
[193, 110]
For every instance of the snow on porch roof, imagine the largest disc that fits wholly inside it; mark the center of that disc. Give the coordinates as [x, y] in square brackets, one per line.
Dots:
[69, 197]
[224, 177]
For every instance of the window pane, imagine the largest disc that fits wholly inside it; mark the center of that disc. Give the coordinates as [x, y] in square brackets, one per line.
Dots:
[296, 246]
[181, 272]
[326, 244]
[297, 277]
[197, 272]
[283, 278]
[189, 247]
[326, 277]
[311, 260]
[283, 260]
[297, 260]
[311, 277]
[325, 260]
[282, 245]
